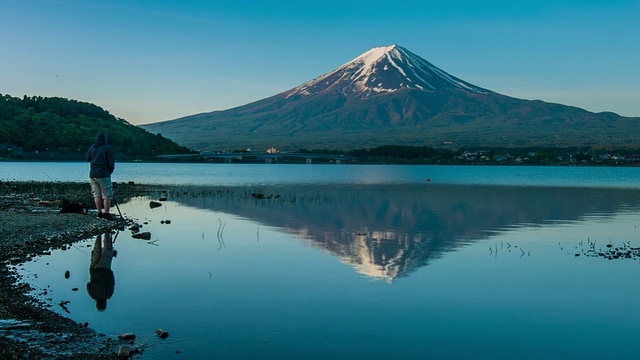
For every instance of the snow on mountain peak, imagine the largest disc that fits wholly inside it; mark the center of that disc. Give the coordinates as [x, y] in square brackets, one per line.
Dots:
[385, 69]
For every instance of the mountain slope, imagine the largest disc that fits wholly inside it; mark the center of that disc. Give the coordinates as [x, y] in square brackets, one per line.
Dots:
[389, 95]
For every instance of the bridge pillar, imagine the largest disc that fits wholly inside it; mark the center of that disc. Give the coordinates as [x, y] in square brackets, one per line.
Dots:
[309, 161]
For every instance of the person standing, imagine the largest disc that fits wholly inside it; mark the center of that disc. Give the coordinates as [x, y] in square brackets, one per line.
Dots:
[102, 165]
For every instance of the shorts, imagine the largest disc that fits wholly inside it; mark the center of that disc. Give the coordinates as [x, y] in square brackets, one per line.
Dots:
[101, 258]
[101, 188]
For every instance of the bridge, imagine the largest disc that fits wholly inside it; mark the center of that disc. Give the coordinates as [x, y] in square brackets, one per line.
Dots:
[267, 157]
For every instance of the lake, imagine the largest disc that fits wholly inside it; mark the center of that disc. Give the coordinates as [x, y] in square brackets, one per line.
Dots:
[363, 262]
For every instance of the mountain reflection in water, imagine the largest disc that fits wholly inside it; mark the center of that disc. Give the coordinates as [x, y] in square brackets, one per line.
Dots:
[388, 231]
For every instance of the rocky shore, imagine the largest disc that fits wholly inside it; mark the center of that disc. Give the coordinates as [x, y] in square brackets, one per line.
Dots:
[31, 225]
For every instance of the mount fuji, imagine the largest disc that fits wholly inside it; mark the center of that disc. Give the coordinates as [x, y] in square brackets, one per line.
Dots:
[391, 96]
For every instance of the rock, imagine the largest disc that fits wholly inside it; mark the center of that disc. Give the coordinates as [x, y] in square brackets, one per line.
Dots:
[74, 289]
[167, 222]
[162, 334]
[163, 199]
[135, 227]
[127, 336]
[154, 204]
[67, 274]
[124, 351]
[143, 235]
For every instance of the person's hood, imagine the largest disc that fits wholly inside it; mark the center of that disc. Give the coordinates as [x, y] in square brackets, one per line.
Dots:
[101, 139]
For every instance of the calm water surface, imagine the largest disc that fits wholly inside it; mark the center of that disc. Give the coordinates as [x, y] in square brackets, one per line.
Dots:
[366, 263]
[279, 174]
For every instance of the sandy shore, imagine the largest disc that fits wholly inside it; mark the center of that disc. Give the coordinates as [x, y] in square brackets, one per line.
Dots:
[31, 225]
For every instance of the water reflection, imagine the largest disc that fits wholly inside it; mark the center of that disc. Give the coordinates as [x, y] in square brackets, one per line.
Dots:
[387, 232]
[102, 281]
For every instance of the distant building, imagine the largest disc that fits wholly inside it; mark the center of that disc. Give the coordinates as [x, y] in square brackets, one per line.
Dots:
[272, 151]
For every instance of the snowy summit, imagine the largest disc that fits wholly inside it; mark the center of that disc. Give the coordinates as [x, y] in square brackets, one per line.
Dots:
[385, 69]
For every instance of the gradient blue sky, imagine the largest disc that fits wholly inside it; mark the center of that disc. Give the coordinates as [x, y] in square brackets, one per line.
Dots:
[148, 61]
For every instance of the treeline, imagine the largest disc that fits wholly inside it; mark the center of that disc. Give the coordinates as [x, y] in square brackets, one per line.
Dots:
[399, 154]
[392, 154]
[59, 126]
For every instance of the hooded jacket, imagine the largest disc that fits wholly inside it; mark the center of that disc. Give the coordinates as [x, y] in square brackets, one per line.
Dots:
[100, 156]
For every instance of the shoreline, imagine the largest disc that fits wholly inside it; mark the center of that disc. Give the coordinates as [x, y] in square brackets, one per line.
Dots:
[32, 225]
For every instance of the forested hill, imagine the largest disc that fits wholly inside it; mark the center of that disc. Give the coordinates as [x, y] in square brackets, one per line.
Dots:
[62, 126]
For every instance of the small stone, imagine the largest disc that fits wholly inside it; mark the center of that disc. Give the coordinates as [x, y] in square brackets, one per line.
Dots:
[67, 274]
[74, 289]
[167, 222]
[162, 334]
[143, 235]
[154, 204]
[124, 351]
[163, 199]
[127, 336]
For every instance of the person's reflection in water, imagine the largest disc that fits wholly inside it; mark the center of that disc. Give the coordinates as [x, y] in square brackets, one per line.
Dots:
[102, 283]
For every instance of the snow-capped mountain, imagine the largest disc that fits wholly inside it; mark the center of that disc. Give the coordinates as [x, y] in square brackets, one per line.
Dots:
[390, 96]
[385, 69]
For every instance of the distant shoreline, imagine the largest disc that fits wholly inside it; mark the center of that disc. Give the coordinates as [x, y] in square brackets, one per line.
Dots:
[452, 163]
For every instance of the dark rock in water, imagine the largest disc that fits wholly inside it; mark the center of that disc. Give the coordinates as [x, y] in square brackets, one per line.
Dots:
[135, 228]
[67, 274]
[124, 351]
[154, 204]
[167, 222]
[127, 336]
[74, 289]
[162, 334]
[143, 235]
[163, 199]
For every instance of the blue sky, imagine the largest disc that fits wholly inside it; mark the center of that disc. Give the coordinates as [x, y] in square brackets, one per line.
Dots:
[148, 61]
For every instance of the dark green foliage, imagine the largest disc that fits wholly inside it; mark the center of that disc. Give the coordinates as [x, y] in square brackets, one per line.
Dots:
[63, 126]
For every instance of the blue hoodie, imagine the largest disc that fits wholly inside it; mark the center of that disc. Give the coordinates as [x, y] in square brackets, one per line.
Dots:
[100, 156]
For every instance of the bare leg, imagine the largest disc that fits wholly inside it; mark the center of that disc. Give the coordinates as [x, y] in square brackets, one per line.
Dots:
[98, 201]
[107, 205]
[98, 243]
[107, 240]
